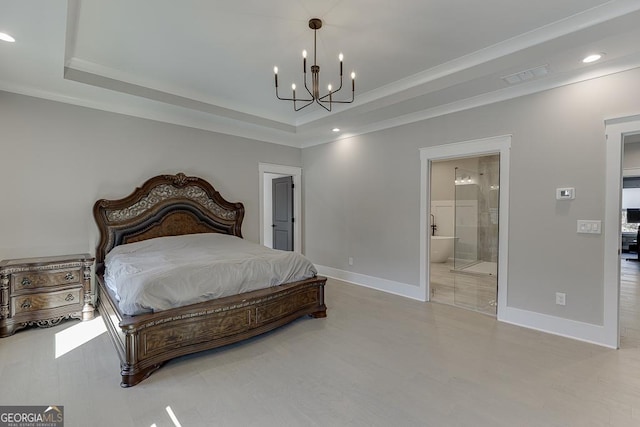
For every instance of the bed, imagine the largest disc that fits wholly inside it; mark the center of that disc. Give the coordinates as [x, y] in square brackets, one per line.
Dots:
[180, 205]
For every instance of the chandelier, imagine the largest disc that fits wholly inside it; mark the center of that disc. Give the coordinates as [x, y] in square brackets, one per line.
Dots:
[326, 101]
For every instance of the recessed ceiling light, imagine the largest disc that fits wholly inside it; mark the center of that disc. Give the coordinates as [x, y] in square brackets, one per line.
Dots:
[6, 38]
[336, 129]
[592, 58]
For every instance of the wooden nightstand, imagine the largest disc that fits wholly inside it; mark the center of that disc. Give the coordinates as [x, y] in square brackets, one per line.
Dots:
[44, 291]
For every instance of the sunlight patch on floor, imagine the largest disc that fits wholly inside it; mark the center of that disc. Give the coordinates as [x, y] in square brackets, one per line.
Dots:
[172, 416]
[73, 337]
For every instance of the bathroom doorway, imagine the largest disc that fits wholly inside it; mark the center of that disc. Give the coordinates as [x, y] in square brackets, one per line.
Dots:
[431, 204]
[464, 229]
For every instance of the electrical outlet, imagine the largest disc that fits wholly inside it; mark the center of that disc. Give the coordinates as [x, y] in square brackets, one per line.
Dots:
[350, 260]
[561, 298]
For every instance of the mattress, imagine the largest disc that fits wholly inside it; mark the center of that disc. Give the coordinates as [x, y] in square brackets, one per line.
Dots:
[168, 272]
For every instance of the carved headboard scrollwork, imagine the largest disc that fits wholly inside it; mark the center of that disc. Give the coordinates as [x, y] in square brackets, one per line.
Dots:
[165, 205]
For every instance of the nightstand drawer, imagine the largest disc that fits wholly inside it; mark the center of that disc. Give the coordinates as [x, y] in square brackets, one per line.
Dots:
[47, 300]
[44, 279]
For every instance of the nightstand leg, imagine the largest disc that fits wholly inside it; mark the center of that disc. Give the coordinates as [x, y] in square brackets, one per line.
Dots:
[88, 309]
[87, 312]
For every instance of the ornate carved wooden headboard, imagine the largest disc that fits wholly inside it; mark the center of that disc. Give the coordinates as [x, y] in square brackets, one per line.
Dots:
[165, 205]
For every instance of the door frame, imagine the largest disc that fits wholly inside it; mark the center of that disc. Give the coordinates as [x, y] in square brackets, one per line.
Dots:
[494, 145]
[296, 173]
[615, 132]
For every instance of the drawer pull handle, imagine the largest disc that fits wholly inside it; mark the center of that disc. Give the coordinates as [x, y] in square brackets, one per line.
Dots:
[26, 304]
[68, 276]
[69, 297]
[25, 281]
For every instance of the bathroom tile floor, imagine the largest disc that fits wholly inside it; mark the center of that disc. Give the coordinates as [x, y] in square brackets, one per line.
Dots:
[473, 292]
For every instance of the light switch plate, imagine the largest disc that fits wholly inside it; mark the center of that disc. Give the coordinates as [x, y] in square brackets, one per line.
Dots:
[589, 226]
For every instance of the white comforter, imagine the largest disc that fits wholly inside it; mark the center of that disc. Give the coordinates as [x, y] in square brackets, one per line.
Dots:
[168, 272]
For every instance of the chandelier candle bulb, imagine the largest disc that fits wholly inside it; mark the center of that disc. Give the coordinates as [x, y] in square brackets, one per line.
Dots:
[275, 72]
[340, 57]
[304, 61]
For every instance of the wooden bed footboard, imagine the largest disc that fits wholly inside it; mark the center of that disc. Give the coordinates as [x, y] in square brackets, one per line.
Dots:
[145, 342]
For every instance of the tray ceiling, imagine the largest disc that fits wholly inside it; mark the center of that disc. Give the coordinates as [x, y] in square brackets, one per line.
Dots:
[209, 64]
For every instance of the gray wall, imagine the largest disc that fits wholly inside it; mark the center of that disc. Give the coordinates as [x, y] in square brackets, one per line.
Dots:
[58, 159]
[362, 193]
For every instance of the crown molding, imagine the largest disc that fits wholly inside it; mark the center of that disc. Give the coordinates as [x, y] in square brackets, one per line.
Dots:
[551, 82]
[588, 18]
[159, 111]
[163, 103]
[88, 72]
[162, 112]
[130, 105]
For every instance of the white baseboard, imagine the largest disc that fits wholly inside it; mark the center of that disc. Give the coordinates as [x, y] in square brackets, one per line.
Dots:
[389, 286]
[581, 331]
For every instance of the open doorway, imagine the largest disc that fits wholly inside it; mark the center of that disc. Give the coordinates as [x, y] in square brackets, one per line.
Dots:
[268, 173]
[618, 313]
[630, 222]
[430, 156]
[464, 219]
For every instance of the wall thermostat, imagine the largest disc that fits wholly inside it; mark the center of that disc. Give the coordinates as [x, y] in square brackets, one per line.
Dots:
[565, 193]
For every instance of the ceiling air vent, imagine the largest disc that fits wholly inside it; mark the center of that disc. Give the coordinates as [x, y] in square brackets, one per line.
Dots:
[523, 76]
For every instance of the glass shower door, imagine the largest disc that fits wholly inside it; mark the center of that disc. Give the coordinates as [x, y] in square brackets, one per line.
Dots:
[476, 194]
[465, 251]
